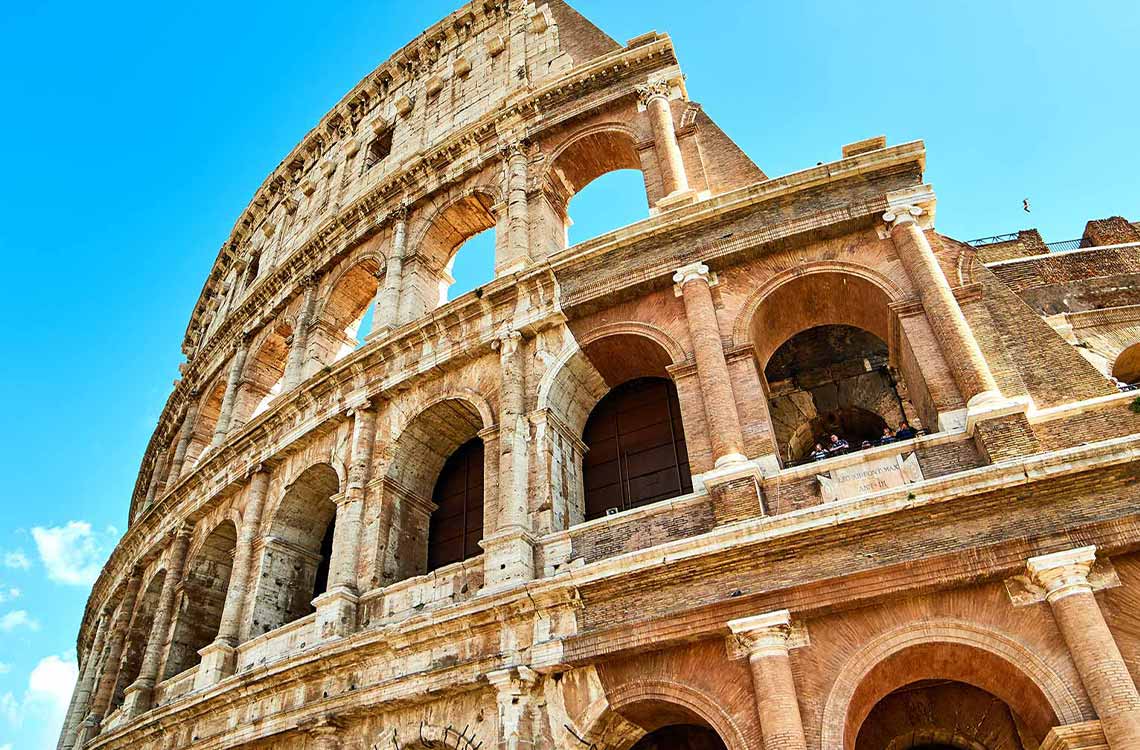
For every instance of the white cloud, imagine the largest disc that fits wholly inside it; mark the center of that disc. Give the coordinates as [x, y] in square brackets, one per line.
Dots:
[18, 619]
[44, 704]
[18, 560]
[72, 554]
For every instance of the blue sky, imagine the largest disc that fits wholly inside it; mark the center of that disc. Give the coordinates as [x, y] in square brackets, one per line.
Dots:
[136, 132]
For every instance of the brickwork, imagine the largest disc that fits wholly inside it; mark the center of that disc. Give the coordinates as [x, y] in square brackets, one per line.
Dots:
[279, 584]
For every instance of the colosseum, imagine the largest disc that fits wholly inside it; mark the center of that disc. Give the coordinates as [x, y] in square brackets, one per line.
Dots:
[596, 503]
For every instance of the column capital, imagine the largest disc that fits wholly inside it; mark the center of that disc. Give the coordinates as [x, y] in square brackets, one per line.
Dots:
[1064, 573]
[769, 634]
[651, 90]
[693, 272]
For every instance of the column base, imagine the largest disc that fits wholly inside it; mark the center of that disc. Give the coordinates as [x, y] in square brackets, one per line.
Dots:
[336, 613]
[138, 698]
[677, 199]
[508, 560]
[219, 660]
[1087, 735]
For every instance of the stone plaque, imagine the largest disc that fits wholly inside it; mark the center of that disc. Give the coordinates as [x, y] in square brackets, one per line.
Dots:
[869, 476]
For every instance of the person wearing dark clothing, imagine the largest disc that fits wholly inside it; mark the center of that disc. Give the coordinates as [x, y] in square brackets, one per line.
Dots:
[905, 431]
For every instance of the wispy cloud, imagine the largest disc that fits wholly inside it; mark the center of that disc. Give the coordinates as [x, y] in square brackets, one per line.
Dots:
[72, 554]
[18, 560]
[18, 619]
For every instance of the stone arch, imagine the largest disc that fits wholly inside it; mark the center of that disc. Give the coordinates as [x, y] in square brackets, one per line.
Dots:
[334, 331]
[983, 658]
[263, 375]
[584, 374]
[819, 301]
[205, 582]
[420, 449]
[584, 156]
[437, 240]
[209, 409]
[651, 704]
[138, 634]
[1126, 366]
[295, 548]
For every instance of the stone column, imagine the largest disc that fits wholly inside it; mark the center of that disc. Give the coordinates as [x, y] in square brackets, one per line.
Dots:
[233, 382]
[336, 607]
[295, 361]
[79, 699]
[514, 687]
[1064, 576]
[157, 477]
[140, 694]
[509, 551]
[655, 98]
[767, 639]
[517, 254]
[185, 435]
[694, 286]
[386, 316]
[967, 364]
[218, 657]
[117, 640]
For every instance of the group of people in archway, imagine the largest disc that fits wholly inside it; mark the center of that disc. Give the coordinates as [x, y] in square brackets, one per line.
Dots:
[837, 445]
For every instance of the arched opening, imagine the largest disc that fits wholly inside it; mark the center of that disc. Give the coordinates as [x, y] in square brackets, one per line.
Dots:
[1126, 368]
[264, 375]
[942, 715]
[138, 633]
[831, 362]
[296, 550]
[209, 409]
[617, 440]
[620, 196]
[435, 490]
[833, 380]
[472, 266]
[950, 694]
[204, 587]
[680, 737]
[346, 317]
[456, 525]
[636, 448]
[428, 273]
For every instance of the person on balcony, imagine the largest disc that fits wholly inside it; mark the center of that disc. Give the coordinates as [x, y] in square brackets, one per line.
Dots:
[837, 445]
[887, 436]
[905, 431]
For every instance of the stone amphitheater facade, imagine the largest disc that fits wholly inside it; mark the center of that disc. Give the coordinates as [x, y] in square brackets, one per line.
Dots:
[571, 509]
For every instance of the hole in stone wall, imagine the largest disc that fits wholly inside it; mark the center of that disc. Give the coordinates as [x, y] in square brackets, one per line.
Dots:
[614, 200]
[472, 266]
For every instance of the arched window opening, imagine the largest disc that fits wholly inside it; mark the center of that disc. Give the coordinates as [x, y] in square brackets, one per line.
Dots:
[346, 317]
[264, 376]
[681, 737]
[209, 409]
[1126, 368]
[434, 486]
[472, 266]
[435, 275]
[608, 156]
[456, 524]
[204, 587]
[636, 448]
[138, 633]
[296, 550]
[941, 715]
[614, 200]
[834, 380]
